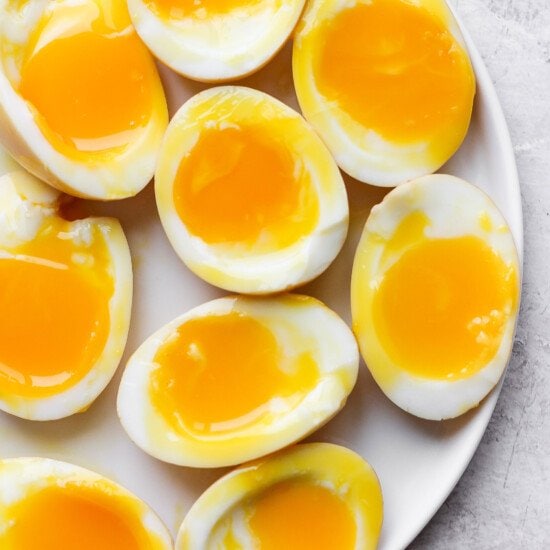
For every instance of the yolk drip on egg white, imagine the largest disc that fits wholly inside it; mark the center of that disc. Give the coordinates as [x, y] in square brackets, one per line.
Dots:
[219, 372]
[299, 515]
[73, 516]
[90, 79]
[241, 184]
[441, 308]
[54, 296]
[396, 69]
[177, 9]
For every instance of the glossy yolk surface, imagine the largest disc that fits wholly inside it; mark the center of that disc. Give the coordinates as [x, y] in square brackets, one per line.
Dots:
[178, 9]
[441, 309]
[219, 372]
[91, 89]
[55, 312]
[297, 515]
[396, 69]
[243, 185]
[74, 518]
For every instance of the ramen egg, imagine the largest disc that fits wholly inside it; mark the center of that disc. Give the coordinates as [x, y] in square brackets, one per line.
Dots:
[237, 378]
[215, 40]
[53, 505]
[81, 103]
[65, 298]
[435, 296]
[248, 195]
[388, 84]
[314, 496]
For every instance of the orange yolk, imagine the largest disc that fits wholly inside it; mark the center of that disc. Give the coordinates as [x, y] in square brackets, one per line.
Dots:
[296, 515]
[177, 9]
[90, 89]
[55, 313]
[224, 369]
[74, 518]
[396, 69]
[243, 185]
[441, 309]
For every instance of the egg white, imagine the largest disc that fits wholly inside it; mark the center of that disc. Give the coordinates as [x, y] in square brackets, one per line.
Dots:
[300, 324]
[26, 203]
[226, 266]
[218, 47]
[219, 509]
[453, 207]
[360, 152]
[120, 176]
[22, 477]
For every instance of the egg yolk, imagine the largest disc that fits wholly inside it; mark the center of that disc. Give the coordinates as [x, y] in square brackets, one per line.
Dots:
[178, 9]
[220, 372]
[396, 69]
[441, 309]
[91, 89]
[243, 185]
[54, 299]
[73, 517]
[296, 515]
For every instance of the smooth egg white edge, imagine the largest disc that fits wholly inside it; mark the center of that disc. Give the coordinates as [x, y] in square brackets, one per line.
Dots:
[452, 206]
[337, 359]
[41, 202]
[220, 48]
[18, 475]
[256, 273]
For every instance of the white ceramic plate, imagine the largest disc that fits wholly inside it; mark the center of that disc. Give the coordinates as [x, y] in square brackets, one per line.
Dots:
[418, 462]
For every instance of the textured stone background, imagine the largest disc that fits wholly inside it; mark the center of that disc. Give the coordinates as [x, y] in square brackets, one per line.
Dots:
[503, 500]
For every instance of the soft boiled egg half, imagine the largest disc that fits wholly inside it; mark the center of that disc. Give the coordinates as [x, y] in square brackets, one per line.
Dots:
[314, 496]
[81, 103]
[249, 196]
[435, 296]
[53, 505]
[7, 164]
[237, 378]
[388, 84]
[215, 40]
[65, 299]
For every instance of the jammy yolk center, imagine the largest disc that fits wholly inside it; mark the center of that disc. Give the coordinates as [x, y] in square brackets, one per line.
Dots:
[396, 69]
[223, 370]
[297, 515]
[90, 89]
[241, 185]
[442, 308]
[178, 9]
[73, 518]
[55, 315]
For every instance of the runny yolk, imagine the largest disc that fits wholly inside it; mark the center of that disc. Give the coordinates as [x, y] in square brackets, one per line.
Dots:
[91, 90]
[74, 518]
[241, 185]
[219, 372]
[177, 9]
[55, 312]
[396, 69]
[297, 515]
[441, 309]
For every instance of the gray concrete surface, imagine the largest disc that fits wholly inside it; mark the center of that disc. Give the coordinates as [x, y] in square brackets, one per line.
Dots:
[503, 500]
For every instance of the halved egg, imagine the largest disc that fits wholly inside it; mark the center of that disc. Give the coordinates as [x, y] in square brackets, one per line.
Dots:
[65, 300]
[388, 84]
[7, 164]
[435, 296]
[81, 103]
[53, 505]
[215, 40]
[237, 378]
[314, 496]
[249, 196]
